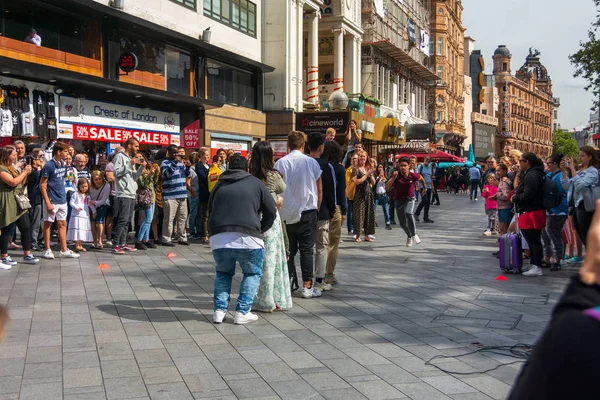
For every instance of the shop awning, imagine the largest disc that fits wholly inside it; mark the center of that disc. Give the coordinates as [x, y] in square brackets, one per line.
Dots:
[405, 59]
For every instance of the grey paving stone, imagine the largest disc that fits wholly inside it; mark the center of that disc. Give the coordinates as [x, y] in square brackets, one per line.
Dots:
[115, 351]
[79, 343]
[10, 384]
[276, 372]
[111, 337]
[232, 366]
[345, 367]
[193, 365]
[120, 368]
[421, 391]
[378, 390]
[324, 381]
[449, 385]
[471, 396]
[393, 374]
[42, 373]
[46, 391]
[11, 366]
[82, 377]
[489, 386]
[206, 384]
[77, 330]
[156, 358]
[81, 359]
[45, 340]
[300, 359]
[251, 388]
[44, 354]
[168, 391]
[125, 388]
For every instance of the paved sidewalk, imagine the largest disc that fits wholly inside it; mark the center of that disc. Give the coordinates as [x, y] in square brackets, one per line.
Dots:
[142, 329]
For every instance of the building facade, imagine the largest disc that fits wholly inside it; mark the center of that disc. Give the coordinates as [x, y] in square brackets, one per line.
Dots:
[447, 58]
[526, 104]
[159, 71]
[556, 125]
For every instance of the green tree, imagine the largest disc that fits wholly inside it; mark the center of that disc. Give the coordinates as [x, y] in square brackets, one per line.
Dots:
[587, 59]
[564, 143]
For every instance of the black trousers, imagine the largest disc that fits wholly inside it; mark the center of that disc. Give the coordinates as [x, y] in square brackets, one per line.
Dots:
[583, 220]
[24, 227]
[435, 196]
[534, 239]
[392, 206]
[424, 204]
[124, 208]
[301, 236]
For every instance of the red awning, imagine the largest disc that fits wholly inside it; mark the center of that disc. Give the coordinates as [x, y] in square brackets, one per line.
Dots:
[439, 156]
[596, 136]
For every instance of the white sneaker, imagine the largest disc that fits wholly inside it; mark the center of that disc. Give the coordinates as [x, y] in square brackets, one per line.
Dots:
[409, 242]
[69, 254]
[309, 293]
[5, 265]
[416, 239]
[9, 261]
[241, 319]
[323, 287]
[48, 254]
[475, 198]
[487, 233]
[219, 316]
[533, 271]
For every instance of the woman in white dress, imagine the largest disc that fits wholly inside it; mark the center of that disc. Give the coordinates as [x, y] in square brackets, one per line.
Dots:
[80, 229]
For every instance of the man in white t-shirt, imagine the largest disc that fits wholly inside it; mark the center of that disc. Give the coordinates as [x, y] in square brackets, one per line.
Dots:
[301, 201]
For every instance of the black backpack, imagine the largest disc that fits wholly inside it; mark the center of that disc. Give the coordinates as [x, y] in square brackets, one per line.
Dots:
[552, 195]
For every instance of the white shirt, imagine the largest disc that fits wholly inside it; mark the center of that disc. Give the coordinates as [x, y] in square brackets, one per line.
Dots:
[235, 240]
[300, 173]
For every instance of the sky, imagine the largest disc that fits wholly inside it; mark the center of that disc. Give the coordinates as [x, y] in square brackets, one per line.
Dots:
[554, 27]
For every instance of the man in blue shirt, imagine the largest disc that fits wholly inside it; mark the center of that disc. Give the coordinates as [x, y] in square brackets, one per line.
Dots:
[475, 175]
[426, 171]
[52, 187]
[174, 193]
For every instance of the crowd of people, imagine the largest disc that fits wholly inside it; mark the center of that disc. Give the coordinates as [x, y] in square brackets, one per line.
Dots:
[294, 205]
[297, 204]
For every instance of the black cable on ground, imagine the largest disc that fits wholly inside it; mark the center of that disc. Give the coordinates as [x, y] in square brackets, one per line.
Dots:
[521, 351]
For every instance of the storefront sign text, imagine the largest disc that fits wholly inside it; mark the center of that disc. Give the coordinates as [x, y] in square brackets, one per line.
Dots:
[119, 135]
[237, 147]
[416, 145]
[191, 135]
[279, 148]
[320, 121]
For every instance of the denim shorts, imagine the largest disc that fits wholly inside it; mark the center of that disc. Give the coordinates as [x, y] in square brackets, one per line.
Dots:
[505, 215]
[100, 214]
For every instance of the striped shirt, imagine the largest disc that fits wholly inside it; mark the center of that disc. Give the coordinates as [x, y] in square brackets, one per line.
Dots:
[173, 176]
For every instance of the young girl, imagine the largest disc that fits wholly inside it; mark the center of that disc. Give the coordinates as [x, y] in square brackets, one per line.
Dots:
[505, 207]
[99, 193]
[489, 191]
[79, 223]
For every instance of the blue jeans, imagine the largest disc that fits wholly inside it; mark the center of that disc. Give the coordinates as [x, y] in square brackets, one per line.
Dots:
[474, 187]
[144, 232]
[350, 216]
[383, 201]
[194, 218]
[251, 262]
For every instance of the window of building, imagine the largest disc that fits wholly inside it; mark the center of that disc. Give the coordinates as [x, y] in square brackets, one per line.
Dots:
[191, 4]
[150, 52]
[484, 112]
[178, 71]
[555, 114]
[440, 47]
[440, 74]
[440, 116]
[58, 29]
[238, 14]
[504, 66]
[228, 84]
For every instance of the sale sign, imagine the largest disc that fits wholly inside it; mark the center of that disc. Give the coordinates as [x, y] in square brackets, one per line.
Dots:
[120, 135]
[191, 135]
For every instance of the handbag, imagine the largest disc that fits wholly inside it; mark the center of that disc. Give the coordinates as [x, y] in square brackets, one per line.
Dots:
[143, 199]
[590, 195]
[22, 202]
[351, 190]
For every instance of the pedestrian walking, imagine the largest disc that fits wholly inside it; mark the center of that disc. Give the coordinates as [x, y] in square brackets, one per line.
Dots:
[381, 197]
[426, 173]
[364, 201]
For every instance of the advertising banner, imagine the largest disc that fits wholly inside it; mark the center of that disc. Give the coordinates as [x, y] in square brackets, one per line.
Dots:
[279, 148]
[484, 140]
[238, 147]
[94, 120]
[191, 135]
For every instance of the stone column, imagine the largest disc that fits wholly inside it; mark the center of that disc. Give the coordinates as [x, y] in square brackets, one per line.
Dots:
[300, 55]
[338, 63]
[312, 84]
[350, 70]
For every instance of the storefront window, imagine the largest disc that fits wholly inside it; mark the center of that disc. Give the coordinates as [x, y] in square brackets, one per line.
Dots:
[228, 84]
[150, 53]
[55, 29]
[178, 71]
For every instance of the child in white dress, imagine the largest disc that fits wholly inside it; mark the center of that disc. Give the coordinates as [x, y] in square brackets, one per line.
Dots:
[80, 229]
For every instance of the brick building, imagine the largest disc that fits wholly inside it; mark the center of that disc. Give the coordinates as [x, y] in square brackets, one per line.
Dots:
[526, 104]
[447, 107]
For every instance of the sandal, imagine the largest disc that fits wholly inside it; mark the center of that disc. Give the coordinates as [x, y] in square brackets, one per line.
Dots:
[358, 240]
[368, 239]
[80, 250]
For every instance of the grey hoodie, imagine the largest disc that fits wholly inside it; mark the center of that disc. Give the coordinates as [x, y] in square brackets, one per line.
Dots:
[126, 175]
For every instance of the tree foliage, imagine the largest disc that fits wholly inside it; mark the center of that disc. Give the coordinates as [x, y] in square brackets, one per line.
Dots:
[564, 143]
[587, 59]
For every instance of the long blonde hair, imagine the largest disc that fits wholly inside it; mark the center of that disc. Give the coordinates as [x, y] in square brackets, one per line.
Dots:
[5, 153]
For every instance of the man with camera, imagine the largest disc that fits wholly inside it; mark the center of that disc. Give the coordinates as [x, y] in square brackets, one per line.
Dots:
[128, 167]
[173, 172]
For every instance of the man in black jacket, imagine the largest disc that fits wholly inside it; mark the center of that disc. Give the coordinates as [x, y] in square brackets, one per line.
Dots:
[203, 193]
[237, 236]
[316, 143]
